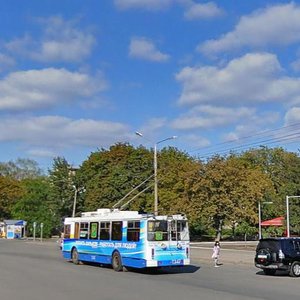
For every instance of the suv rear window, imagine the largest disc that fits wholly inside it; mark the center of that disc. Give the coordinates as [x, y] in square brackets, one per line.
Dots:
[273, 245]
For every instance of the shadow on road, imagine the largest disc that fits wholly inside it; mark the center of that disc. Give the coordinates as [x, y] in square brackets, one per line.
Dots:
[277, 274]
[166, 270]
[151, 271]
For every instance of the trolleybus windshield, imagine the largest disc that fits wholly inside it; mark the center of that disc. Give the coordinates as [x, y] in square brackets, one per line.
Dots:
[162, 230]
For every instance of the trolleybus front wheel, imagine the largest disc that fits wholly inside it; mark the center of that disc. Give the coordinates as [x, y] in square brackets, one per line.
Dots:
[117, 262]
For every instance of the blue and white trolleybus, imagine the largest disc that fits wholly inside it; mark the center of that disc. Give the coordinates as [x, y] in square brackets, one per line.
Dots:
[127, 239]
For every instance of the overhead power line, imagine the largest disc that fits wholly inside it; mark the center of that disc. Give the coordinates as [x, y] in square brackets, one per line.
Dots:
[287, 134]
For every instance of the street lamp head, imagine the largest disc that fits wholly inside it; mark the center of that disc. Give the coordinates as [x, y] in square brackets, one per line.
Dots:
[138, 133]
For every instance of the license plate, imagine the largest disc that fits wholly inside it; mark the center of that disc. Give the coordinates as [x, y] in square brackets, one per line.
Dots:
[262, 256]
[177, 261]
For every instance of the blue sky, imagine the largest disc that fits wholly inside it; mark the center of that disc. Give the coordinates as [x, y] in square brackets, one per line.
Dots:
[76, 76]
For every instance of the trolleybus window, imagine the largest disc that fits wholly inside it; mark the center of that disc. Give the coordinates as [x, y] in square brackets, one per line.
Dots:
[158, 230]
[104, 230]
[179, 231]
[94, 230]
[84, 229]
[116, 231]
[76, 235]
[67, 231]
[133, 231]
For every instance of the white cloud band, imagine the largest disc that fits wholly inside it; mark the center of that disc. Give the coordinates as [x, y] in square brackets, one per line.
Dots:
[34, 89]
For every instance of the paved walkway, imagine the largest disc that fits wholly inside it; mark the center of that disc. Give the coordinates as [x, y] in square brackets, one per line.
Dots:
[231, 252]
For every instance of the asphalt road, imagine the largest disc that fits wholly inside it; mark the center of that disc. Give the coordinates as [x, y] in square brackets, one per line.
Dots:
[35, 271]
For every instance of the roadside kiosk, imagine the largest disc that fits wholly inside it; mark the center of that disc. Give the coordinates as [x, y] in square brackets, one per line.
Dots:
[15, 229]
[2, 230]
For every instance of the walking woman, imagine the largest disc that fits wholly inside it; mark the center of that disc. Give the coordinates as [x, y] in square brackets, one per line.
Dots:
[216, 253]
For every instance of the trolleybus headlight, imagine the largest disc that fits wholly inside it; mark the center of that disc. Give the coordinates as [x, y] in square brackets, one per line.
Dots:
[163, 246]
[179, 246]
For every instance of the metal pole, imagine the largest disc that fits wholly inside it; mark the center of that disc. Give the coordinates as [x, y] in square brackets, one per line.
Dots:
[42, 225]
[155, 169]
[155, 182]
[34, 226]
[259, 221]
[74, 203]
[287, 217]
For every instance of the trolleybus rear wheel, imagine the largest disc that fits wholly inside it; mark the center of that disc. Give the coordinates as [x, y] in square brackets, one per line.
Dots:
[117, 262]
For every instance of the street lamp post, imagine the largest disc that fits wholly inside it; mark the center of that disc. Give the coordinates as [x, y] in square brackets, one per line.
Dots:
[155, 168]
[259, 221]
[288, 214]
[76, 191]
[259, 217]
[155, 181]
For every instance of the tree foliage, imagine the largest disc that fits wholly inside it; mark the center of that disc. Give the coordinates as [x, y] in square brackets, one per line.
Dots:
[11, 192]
[228, 192]
[222, 192]
[33, 206]
[61, 179]
[21, 169]
[108, 175]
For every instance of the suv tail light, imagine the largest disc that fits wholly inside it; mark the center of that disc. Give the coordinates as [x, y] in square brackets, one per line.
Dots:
[281, 254]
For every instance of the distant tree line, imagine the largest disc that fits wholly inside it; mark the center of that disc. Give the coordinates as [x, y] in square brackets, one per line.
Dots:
[219, 195]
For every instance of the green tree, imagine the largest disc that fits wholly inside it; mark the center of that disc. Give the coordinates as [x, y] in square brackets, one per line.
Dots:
[10, 192]
[21, 169]
[228, 192]
[34, 205]
[108, 175]
[178, 174]
[62, 180]
[283, 169]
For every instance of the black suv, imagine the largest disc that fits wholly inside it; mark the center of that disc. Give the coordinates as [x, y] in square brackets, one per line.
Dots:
[278, 254]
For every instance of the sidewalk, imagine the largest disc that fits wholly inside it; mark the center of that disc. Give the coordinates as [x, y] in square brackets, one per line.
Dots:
[231, 252]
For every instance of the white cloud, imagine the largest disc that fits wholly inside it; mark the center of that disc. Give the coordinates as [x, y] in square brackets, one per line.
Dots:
[292, 116]
[60, 132]
[207, 116]
[154, 124]
[21, 45]
[34, 89]
[151, 129]
[6, 62]
[195, 140]
[61, 41]
[143, 4]
[274, 25]
[255, 126]
[252, 78]
[143, 48]
[41, 152]
[202, 11]
[296, 65]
